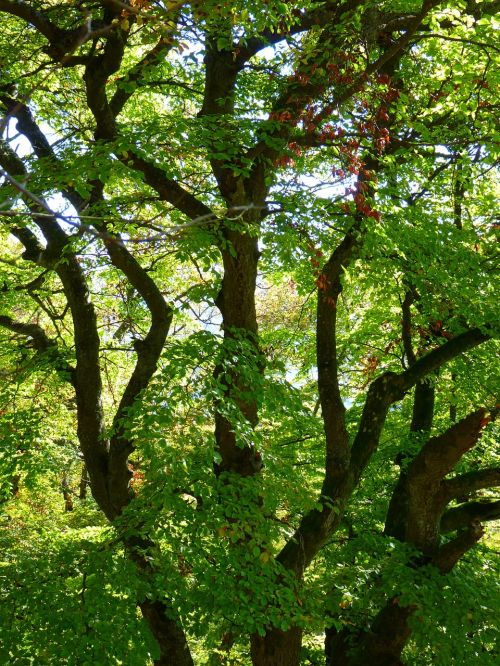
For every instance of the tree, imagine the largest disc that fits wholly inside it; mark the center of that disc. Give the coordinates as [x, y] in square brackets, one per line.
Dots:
[250, 246]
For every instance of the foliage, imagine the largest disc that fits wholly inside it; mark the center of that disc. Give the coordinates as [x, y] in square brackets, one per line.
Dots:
[248, 326]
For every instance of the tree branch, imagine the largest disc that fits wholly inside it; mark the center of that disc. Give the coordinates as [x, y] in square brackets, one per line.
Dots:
[406, 327]
[471, 482]
[99, 68]
[31, 15]
[148, 352]
[332, 407]
[296, 96]
[87, 375]
[449, 554]
[328, 12]
[133, 76]
[440, 454]
[43, 345]
[437, 358]
[463, 515]
[169, 190]
[27, 126]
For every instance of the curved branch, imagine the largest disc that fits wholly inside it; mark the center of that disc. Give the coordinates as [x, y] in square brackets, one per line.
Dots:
[87, 375]
[329, 12]
[27, 126]
[471, 482]
[133, 76]
[170, 190]
[443, 354]
[148, 352]
[441, 453]
[449, 554]
[295, 98]
[43, 345]
[98, 70]
[463, 515]
[37, 19]
[332, 406]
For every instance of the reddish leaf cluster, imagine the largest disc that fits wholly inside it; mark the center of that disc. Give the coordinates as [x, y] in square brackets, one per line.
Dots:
[328, 133]
[321, 282]
[284, 116]
[284, 161]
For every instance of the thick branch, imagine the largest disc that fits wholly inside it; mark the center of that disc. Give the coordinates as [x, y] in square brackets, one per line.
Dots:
[471, 482]
[48, 225]
[440, 454]
[62, 43]
[382, 393]
[236, 302]
[31, 15]
[97, 72]
[332, 407]
[96, 75]
[34, 250]
[440, 356]
[391, 387]
[449, 554]
[423, 407]
[148, 352]
[29, 128]
[43, 345]
[87, 375]
[170, 191]
[419, 497]
[26, 125]
[116, 494]
[463, 515]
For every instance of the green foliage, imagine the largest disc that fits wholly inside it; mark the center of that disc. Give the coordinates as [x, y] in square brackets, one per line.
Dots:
[289, 155]
[63, 586]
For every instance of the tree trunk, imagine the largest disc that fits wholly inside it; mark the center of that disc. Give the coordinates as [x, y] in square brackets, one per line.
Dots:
[277, 648]
[84, 482]
[174, 650]
[381, 646]
[14, 485]
[162, 620]
[67, 494]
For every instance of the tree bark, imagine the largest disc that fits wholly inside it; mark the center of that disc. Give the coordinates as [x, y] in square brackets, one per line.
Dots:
[277, 648]
[381, 646]
[169, 635]
[67, 493]
[84, 481]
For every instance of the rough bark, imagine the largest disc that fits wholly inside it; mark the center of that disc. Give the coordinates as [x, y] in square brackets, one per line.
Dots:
[169, 634]
[276, 648]
[84, 481]
[67, 493]
[463, 515]
[381, 645]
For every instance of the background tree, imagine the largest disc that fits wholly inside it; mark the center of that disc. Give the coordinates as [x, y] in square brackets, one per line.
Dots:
[247, 267]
